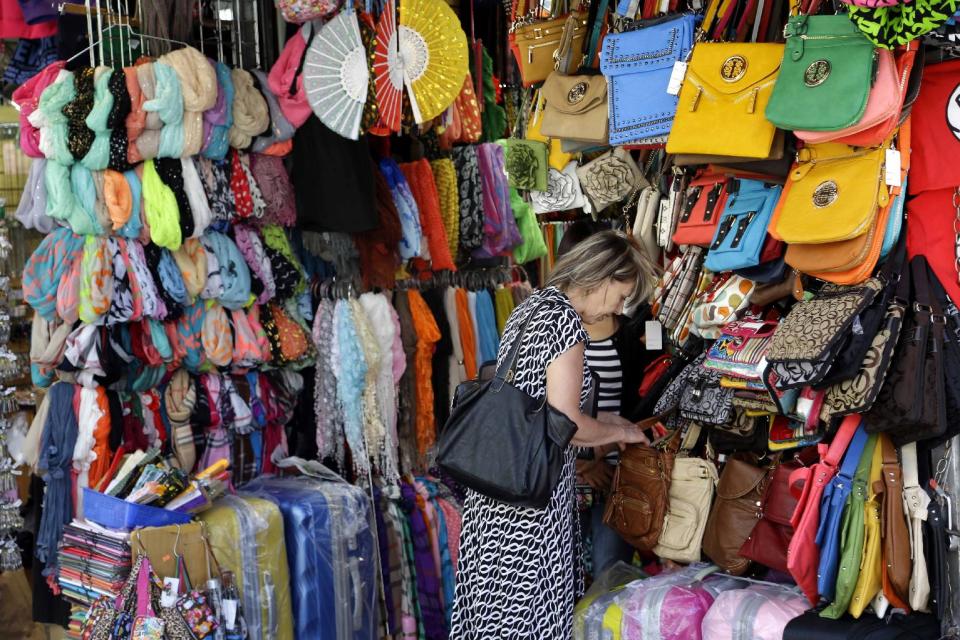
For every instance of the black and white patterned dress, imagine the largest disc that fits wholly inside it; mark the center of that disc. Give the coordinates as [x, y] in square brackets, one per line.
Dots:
[518, 568]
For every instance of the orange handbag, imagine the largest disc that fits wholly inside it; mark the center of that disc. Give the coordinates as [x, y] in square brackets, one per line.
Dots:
[807, 485]
[703, 205]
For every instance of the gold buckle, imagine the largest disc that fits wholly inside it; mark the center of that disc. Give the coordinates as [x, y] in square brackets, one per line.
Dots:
[538, 33]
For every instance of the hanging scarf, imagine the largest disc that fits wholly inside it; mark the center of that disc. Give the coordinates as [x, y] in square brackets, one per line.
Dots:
[243, 201]
[27, 98]
[136, 119]
[275, 240]
[32, 209]
[193, 186]
[233, 271]
[168, 104]
[276, 188]
[98, 156]
[280, 129]
[219, 120]
[198, 86]
[46, 267]
[56, 453]
[214, 286]
[251, 116]
[100, 203]
[216, 185]
[179, 399]
[253, 253]
[420, 178]
[62, 204]
[500, 227]
[48, 340]
[263, 342]
[48, 118]
[217, 337]
[160, 204]
[375, 433]
[125, 306]
[131, 281]
[350, 370]
[256, 196]
[96, 280]
[406, 208]
[189, 332]
[148, 142]
[445, 177]
[170, 171]
[116, 122]
[134, 223]
[327, 406]
[428, 334]
[377, 310]
[68, 293]
[191, 258]
[117, 197]
[80, 137]
[246, 348]
[172, 280]
[467, 164]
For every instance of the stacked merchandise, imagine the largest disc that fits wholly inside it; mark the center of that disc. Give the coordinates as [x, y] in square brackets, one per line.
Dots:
[93, 562]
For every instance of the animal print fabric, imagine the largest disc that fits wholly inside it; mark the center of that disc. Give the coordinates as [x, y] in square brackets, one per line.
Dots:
[518, 570]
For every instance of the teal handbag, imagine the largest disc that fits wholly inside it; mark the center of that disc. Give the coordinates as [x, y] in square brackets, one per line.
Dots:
[825, 77]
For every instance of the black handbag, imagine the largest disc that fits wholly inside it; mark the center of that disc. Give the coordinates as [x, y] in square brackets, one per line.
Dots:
[503, 443]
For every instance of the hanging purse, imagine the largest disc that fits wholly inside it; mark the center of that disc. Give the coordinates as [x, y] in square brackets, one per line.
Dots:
[146, 625]
[569, 56]
[832, 504]
[869, 582]
[495, 416]
[735, 512]
[911, 404]
[896, 566]
[703, 204]
[768, 541]
[741, 349]
[729, 83]
[916, 504]
[825, 75]
[727, 296]
[745, 433]
[742, 231]
[851, 532]
[111, 618]
[562, 194]
[526, 163]
[644, 225]
[703, 400]
[610, 178]
[883, 102]
[575, 108]
[807, 485]
[670, 209]
[640, 494]
[534, 42]
[833, 193]
[691, 491]
[638, 65]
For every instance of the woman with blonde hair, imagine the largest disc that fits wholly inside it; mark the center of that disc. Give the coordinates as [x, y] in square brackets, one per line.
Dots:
[518, 567]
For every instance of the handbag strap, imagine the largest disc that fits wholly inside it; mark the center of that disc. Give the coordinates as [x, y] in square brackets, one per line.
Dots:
[505, 370]
[293, 83]
[841, 441]
[908, 461]
[852, 458]
[144, 601]
[598, 20]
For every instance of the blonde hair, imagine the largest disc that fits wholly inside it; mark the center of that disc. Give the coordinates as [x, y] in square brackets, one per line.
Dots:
[604, 256]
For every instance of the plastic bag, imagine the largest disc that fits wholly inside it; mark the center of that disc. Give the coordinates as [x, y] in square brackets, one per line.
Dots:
[759, 612]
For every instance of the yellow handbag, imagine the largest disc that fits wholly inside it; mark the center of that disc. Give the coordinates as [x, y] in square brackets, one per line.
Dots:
[835, 193]
[557, 159]
[870, 581]
[727, 84]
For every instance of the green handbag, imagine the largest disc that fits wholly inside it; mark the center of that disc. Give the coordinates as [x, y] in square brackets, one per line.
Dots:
[825, 76]
[526, 162]
[852, 535]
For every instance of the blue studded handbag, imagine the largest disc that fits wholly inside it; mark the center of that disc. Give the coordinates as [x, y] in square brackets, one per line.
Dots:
[637, 65]
[742, 231]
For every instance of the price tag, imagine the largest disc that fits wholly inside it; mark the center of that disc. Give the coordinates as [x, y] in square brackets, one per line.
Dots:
[676, 77]
[892, 168]
[653, 332]
[171, 588]
[230, 614]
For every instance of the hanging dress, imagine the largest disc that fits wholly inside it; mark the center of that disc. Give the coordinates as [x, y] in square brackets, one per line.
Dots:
[518, 577]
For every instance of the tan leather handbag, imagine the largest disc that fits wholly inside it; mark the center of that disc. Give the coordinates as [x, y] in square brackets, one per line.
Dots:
[536, 44]
[916, 501]
[691, 492]
[735, 512]
[639, 499]
[897, 565]
[575, 108]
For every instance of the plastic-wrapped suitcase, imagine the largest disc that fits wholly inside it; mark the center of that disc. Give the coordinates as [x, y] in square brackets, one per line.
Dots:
[246, 535]
[759, 612]
[331, 553]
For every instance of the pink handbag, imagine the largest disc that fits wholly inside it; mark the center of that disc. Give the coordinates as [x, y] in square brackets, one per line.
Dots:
[885, 100]
[759, 612]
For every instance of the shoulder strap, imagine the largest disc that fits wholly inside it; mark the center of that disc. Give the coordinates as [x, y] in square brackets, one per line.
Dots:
[852, 459]
[597, 23]
[505, 370]
[841, 441]
[908, 458]
[303, 58]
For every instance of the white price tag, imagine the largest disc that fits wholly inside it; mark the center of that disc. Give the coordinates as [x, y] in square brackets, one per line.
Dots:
[230, 614]
[892, 168]
[676, 77]
[171, 589]
[653, 332]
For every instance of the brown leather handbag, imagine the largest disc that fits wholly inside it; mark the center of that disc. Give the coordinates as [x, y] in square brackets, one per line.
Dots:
[767, 543]
[735, 512]
[897, 564]
[640, 498]
[535, 43]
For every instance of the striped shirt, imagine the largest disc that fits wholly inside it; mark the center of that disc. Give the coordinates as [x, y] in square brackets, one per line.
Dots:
[604, 362]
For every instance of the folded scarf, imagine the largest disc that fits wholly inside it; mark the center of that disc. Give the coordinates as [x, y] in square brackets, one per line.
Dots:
[233, 271]
[46, 267]
[179, 399]
[198, 86]
[161, 342]
[217, 337]
[98, 156]
[153, 305]
[68, 293]
[196, 195]
[252, 249]
[246, 347]
[148, 142]
[48, 340]
[125, 306]
[189, 332]
[154, 255]
[27, 98]
[136, 118]
[96, 280]
[168, 104]
[134, 223]
[32, 209]
[277, 190]
[170, 171]
[251, 115]
[410, 243]
[49, 118]
[219, 120]
[117, 197]
[162, 213]
[240, 186]
[123, 265]
[191, 258]
[280, 128]
[275, 238]
[80, 137]
[172, 280]
[100, 203]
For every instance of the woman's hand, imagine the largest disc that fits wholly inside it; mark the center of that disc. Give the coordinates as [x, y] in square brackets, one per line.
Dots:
[632, 434]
